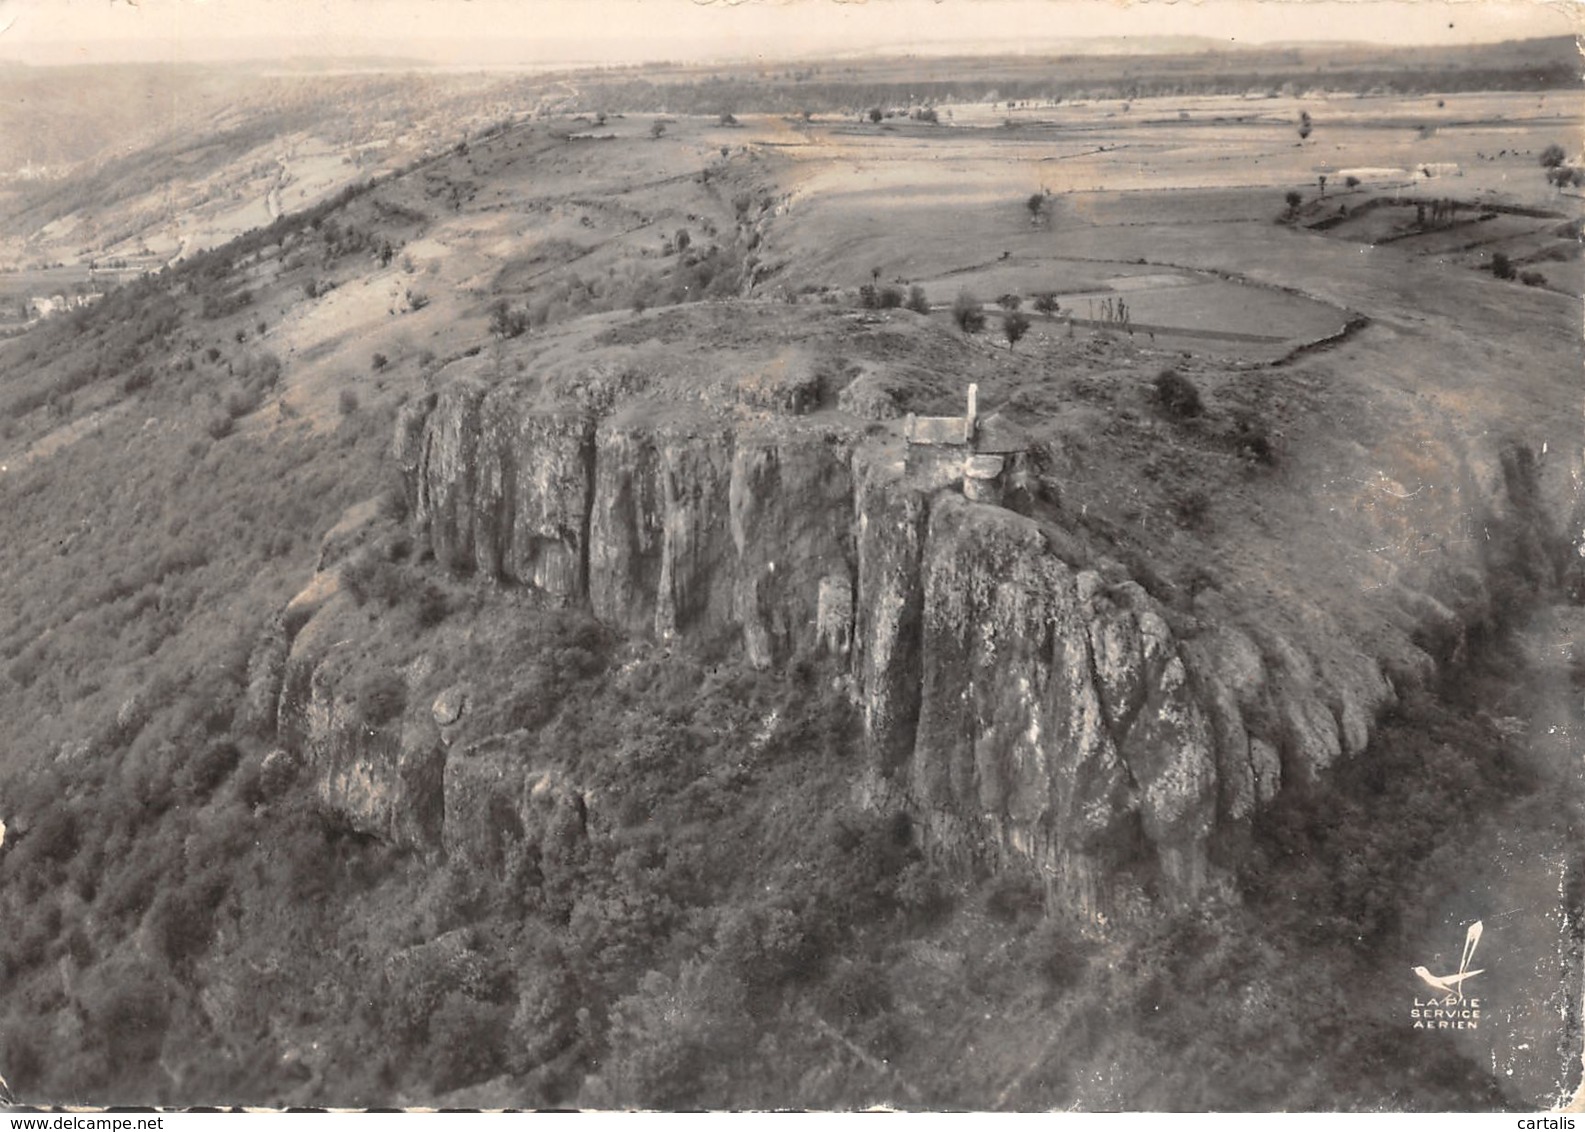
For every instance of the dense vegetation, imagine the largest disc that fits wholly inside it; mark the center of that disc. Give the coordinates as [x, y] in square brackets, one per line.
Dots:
[722, 926]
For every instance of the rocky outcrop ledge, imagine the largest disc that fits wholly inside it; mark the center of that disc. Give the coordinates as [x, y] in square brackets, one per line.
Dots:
[1018, 705]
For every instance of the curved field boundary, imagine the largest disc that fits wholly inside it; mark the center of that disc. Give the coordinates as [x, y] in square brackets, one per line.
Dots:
[1353, 326]
[1180, 331]
[1331, 221]
[1451, 226]
[1207, 273]
[1487, 207]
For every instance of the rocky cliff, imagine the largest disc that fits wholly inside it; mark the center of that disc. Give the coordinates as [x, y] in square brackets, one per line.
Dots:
[1020, 699]
[485, 508]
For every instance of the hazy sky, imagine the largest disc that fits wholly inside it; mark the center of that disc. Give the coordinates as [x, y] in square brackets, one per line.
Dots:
[550, 31]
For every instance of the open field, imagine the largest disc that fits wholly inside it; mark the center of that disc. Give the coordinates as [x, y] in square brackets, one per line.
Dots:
[946, 206]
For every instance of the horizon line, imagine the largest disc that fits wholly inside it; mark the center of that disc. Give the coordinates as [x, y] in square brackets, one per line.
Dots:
[373, 57]
[591, 33]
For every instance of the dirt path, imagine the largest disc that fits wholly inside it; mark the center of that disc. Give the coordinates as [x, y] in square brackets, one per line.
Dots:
[272, 197]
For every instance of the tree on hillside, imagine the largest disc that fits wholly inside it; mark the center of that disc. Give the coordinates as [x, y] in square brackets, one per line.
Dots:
[1036, 204]
[1009, 301]
[1294, 199]
[917, 301]
[1046, 303]
[1178, 395]
[967, 313]
[1502, 266]
[1552, 156]
[1015, 325]
[876, 114]
[505, 322]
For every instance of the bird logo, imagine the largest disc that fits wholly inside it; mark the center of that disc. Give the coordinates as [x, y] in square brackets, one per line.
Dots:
[1454, 984]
